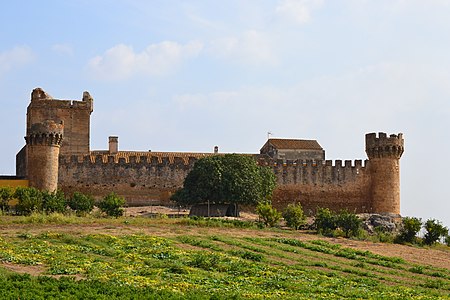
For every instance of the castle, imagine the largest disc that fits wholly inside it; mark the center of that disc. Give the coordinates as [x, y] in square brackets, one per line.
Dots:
[57, 154]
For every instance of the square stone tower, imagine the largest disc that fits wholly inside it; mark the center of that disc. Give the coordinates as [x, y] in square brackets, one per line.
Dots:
[75, 115]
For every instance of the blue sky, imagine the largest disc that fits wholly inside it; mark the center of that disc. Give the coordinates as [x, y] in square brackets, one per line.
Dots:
[188, 75]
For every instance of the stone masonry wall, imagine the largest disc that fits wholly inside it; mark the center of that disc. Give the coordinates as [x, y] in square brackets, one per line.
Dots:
[322, 184]
[142, 181]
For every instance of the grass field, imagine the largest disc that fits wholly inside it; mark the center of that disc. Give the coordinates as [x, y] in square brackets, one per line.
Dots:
[136, 258]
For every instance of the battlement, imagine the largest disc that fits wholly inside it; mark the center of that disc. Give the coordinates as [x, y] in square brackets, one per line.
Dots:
[41, 99]
[45, 133]
[316, 172]
[383, 146]
[131, 158]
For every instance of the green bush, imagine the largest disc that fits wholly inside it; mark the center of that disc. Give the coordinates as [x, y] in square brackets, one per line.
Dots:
[409, 230]
[343, 223]
[349, 223]
[6, 194]
[269, 215]
[434, 231]
[54, 202]
[325, 221]
[112, 205]
[447, 240]
[294, 216]
[30, 200]
[81, 204]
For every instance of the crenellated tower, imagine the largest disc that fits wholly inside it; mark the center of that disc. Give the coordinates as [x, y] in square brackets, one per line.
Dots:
[384, 154]
[43, 141]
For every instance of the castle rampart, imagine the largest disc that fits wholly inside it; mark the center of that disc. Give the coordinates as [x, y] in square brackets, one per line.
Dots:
[302, 174]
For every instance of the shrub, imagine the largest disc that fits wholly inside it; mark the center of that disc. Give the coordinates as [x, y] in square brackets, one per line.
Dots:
[54, 202]
[325, 221]
[30, 200]
[112, 205]
[293, 215]
[409, 230]
[81, 204]
[6, 194]
[269, 215]
[447, 240]
[349, 223]
[434, 231]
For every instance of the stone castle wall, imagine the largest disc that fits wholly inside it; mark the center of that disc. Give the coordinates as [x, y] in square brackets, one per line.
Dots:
[151, 180]
[141, 180]
[322, 184]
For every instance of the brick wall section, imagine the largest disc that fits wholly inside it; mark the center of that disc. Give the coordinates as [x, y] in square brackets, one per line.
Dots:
[140, 180]
[322, 184]
[151, 181]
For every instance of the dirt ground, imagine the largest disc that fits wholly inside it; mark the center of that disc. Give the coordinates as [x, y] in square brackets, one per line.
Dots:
[438, 257]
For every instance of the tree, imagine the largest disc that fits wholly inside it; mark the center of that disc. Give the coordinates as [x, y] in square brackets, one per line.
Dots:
[30, 200]
[269, 215]
[112, 205]
[409, 230]
[229, 178]
[294, 216]
[325, 221]
[434, 231]
[349, 223]
[54, 202]
[81, 204]
[6, 194]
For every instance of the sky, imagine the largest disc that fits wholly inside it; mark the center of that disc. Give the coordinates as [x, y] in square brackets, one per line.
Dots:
[171, 75]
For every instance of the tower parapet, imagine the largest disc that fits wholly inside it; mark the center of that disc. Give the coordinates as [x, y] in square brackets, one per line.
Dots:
[384, 154]
[43, 143]
[384, 146]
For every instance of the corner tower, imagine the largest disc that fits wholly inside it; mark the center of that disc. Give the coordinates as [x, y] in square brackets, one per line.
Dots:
[384, 166]
[43, 143]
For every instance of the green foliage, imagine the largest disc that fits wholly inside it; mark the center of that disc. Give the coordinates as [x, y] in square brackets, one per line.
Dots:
[325, 221]
[6, 194]
[230, 178]
[81, 204]
[434, 231]
[269, 215]
[447, 240]
[54, 202]
[329, 223]
[293, 215]
[30, 200]
[112, 205]
[228, 266]
[409, 230]
[349, 223]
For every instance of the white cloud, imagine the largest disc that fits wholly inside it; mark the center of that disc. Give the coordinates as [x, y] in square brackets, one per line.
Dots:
[15, 57]
[63, 49]
[251, 47]
[121, 61]
[297, 10]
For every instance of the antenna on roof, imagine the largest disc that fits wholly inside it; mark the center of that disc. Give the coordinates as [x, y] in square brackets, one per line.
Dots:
[269, 134]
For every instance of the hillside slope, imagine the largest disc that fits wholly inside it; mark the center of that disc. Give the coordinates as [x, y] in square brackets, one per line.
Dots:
[184, 258]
